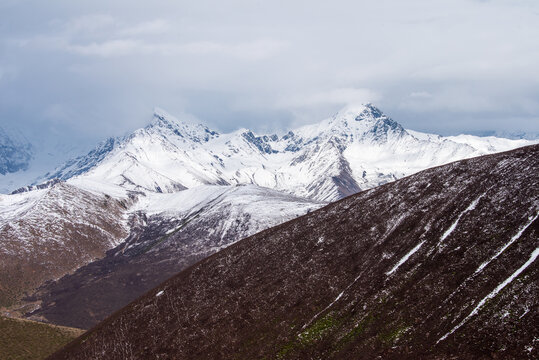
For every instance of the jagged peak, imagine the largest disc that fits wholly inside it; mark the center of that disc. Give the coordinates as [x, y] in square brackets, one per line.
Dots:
[162, 117]
[365, 119]
[360, 112]
[187, 127]
[47, 184]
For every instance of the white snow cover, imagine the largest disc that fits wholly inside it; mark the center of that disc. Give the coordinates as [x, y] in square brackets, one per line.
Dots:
[512, 240]
[249, 197]
[175, 168]
[17, 205]
[360, 144]
[454, 225]
[255, 207]
[53, 216]
[493, 293]
[488, 144]
[405, 258]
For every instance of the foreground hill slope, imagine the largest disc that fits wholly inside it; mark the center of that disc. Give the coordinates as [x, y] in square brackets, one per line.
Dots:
[440, 264]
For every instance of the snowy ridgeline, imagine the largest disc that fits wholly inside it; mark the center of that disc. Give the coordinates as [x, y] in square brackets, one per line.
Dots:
[263, 208]
[358, 148]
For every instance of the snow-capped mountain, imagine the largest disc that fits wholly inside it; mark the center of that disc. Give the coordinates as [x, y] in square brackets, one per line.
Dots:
[358, 148]
[15, 154]
[25, 156]
[170, 233]
[175, 186]
[50, 232]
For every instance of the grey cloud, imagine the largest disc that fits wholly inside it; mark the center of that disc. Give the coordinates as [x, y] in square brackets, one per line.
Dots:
[89, 69]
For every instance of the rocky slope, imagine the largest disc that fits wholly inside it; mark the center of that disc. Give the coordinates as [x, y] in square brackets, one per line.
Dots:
[171, 232]
[440, 264]
[48, 232]
[358, 148]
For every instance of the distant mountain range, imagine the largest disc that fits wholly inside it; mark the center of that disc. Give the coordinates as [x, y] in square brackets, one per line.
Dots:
[438, 265]
[356, 149]
[509, 134]
[174, 192]
[15, 153]
[26, 157]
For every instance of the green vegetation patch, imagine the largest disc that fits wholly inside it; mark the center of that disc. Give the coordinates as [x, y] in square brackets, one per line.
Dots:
[390, 336]
[314, 333]
[357, 331]
[22, 339]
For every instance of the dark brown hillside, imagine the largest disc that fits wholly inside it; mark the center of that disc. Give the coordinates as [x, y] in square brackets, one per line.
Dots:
[53, 232]
[441, 264]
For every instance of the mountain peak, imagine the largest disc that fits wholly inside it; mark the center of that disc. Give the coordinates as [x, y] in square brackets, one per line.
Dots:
[186, 128]
[163, 118]
[367, 119]
[383, 267]
[361, 112]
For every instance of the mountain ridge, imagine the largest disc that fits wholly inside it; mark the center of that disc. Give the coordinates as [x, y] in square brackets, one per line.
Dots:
[437, 265]
[357, 148]
[48, 232]
[170, 233]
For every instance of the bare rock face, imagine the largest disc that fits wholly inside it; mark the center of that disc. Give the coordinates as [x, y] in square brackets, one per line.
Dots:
[49, 232]
[438, 265]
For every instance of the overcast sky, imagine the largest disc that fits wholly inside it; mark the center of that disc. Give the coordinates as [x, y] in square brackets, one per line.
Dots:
[89, 69]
